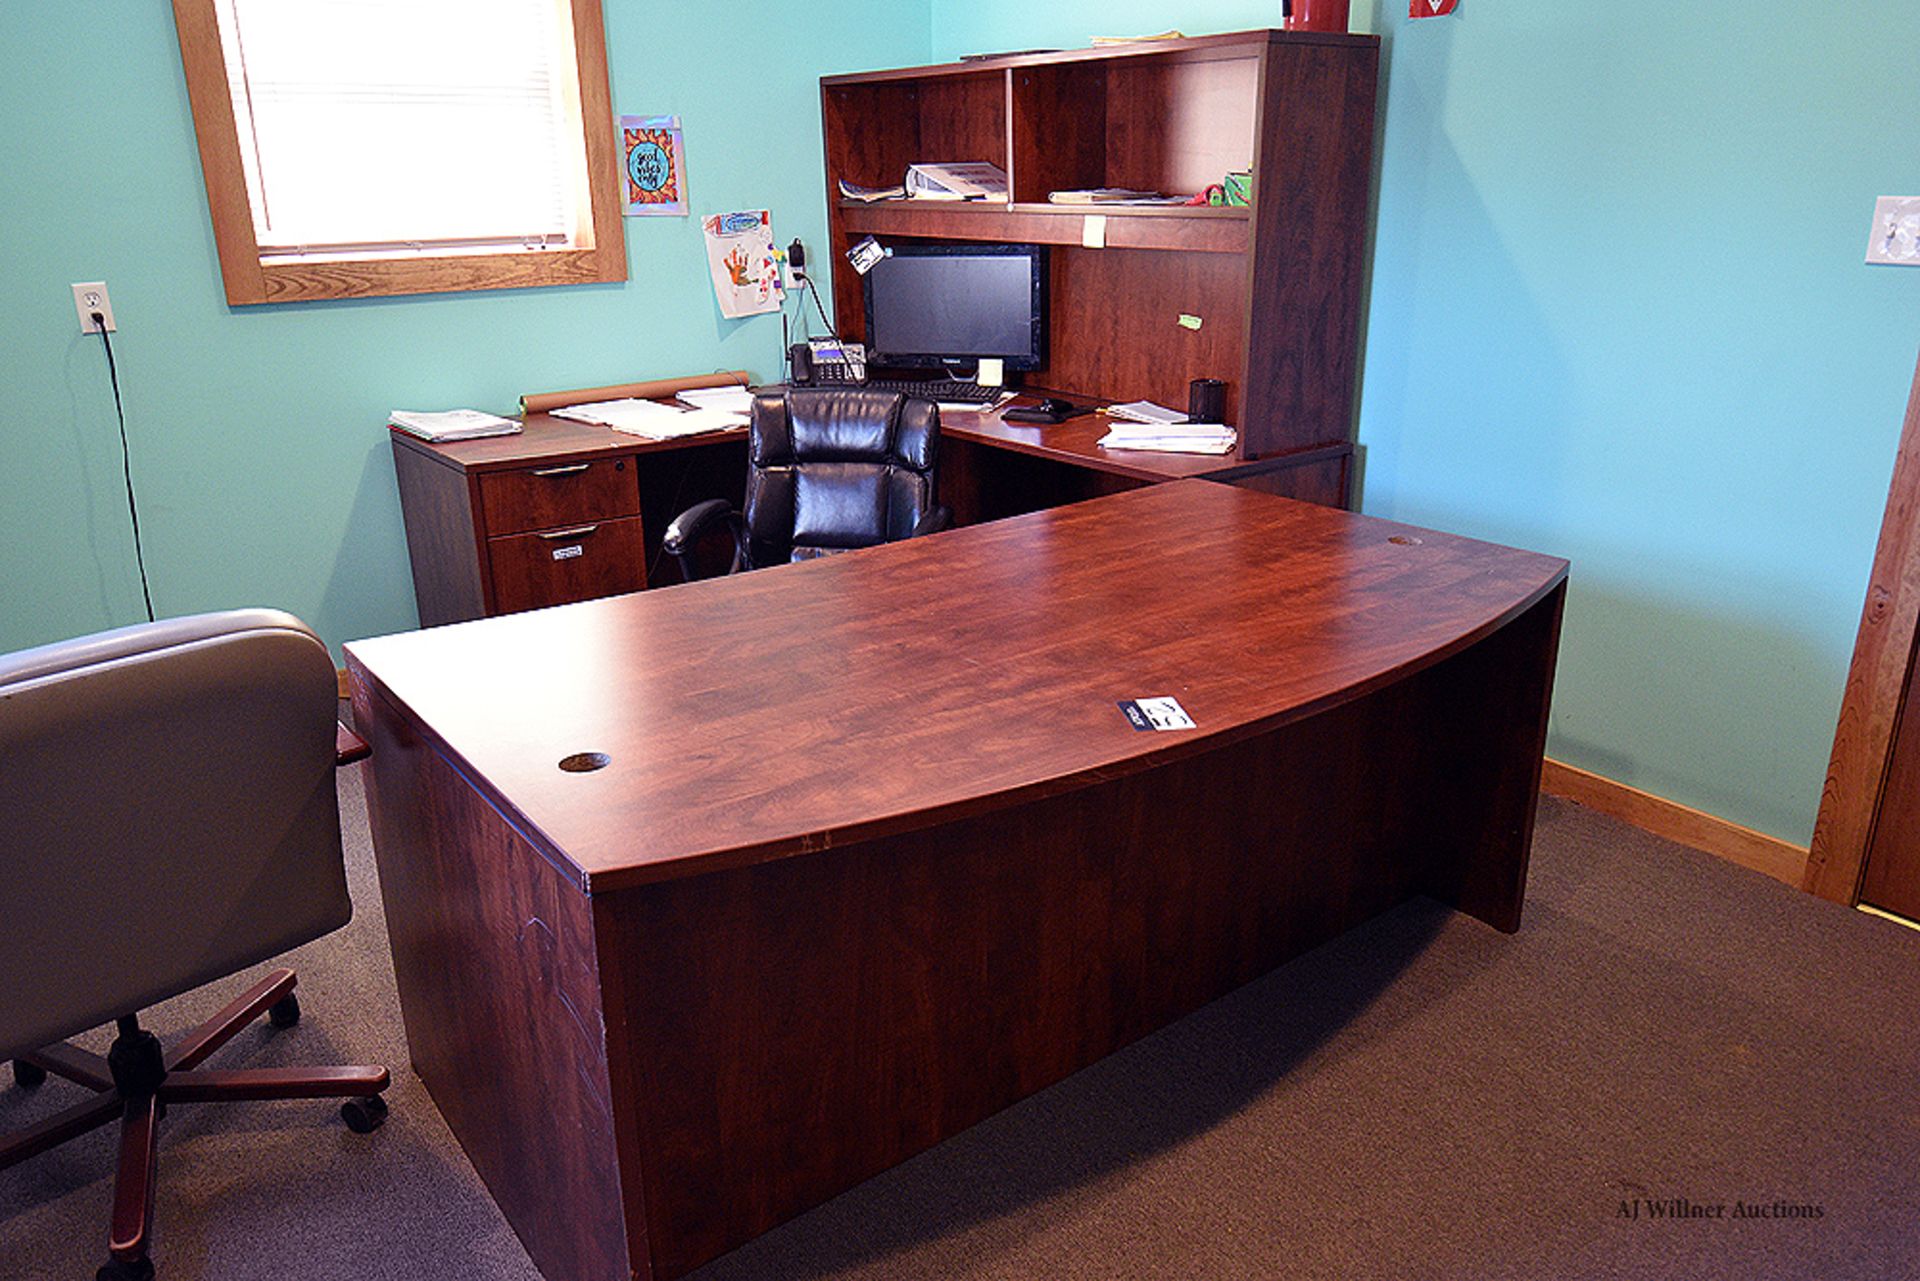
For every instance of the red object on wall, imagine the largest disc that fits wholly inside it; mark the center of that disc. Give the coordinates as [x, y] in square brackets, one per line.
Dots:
[1432, 8]
[1313, 15]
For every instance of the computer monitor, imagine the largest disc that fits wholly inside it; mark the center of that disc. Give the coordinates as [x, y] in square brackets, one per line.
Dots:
[934, 305]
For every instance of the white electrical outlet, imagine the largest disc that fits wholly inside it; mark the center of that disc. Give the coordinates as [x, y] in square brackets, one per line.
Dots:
[1896, 231]
[89, 298]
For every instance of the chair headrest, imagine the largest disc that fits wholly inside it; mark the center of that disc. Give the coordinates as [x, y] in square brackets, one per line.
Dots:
[66, 656]
[843, 424]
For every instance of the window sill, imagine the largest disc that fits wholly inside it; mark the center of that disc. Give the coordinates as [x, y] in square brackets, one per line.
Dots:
[309, 281]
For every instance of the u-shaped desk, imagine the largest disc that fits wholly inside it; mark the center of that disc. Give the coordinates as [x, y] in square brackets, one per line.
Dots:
[709, 903]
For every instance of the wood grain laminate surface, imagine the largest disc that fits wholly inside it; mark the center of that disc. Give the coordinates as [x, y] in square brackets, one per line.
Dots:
[546, 439]
[549, 440]
[811, 705]
[1075, 441]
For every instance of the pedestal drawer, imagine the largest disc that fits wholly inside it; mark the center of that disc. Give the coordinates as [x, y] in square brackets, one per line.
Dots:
[578, 562]
[560, 494]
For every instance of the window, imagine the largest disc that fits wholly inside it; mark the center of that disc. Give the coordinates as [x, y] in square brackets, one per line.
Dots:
[365, 147]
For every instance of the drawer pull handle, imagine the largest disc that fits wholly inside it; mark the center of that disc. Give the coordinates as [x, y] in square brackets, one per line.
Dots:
[573, 470]
[578, 531]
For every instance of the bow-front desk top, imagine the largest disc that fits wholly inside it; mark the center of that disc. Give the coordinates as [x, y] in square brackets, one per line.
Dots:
[794, 709]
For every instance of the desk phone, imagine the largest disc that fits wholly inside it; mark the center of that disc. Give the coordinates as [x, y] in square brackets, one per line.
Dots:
[827, 361]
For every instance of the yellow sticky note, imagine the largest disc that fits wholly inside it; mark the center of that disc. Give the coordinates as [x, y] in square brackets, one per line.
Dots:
[1093, 231]
[1189, 321]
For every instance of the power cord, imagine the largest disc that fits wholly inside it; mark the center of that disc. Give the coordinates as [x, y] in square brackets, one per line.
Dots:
[126, 462]
[821, 307]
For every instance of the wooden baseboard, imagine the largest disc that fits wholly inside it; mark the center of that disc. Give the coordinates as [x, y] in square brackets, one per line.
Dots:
[342, 674]
[1782, 860]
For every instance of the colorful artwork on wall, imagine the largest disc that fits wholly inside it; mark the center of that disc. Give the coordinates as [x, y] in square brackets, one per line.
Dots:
[655, 161]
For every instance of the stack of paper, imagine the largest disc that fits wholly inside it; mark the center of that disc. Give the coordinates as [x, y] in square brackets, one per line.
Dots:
[1100, 42]
[651, 418]
[451, 424]
[732, 399]
[1172, 438]
[1144, 411]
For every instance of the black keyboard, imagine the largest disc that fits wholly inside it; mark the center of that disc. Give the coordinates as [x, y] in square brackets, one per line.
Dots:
[940, 390]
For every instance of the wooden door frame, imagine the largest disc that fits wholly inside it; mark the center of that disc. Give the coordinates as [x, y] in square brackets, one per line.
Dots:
[1876, 680]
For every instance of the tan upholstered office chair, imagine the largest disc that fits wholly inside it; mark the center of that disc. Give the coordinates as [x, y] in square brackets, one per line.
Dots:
[170, 820]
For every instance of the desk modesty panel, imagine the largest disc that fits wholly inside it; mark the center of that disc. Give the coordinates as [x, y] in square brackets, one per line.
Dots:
[875, 853]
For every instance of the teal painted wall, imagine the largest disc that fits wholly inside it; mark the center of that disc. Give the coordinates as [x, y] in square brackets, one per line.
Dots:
[258, 447]
[1619, 313]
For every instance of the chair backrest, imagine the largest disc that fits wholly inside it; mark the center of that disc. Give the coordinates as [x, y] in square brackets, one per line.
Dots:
[831, 469]
[169, 815]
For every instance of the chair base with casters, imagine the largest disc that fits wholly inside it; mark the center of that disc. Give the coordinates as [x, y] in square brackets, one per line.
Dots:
[137, 1080]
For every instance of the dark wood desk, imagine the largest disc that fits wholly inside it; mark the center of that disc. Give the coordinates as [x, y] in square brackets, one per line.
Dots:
[874, 854]
[991, 468]
[567, 511]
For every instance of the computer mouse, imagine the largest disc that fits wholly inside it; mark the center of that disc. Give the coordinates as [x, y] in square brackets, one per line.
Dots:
[1050, 410]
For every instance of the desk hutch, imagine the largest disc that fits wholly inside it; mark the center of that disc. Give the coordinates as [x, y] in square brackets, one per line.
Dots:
[1276, 287]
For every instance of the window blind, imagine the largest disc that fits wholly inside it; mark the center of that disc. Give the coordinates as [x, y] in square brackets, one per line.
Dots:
[404, 124]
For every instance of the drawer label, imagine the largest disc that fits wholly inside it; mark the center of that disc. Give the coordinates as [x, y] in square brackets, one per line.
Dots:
[568, 553]
[1156, 713]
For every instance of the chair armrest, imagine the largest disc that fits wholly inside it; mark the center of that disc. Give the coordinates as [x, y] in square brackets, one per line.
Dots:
[348, 746]
[933, 522]
[695, 523]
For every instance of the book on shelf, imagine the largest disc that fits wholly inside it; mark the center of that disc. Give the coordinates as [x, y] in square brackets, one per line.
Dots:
[974, 180]
[870, 195]
[1113, 196]
[451, 424]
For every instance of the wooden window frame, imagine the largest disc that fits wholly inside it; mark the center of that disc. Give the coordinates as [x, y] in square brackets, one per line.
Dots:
[250, 280]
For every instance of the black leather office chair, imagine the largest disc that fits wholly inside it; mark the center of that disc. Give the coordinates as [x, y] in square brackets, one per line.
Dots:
[828, 470]
[171, 820]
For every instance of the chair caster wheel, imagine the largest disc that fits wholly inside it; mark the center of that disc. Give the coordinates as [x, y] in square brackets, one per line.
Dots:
[364, 1116]
[28, 1076]
[120, 1270]
[284, 1012]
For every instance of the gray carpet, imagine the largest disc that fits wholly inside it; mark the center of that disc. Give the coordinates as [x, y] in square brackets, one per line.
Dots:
[1421, 1098]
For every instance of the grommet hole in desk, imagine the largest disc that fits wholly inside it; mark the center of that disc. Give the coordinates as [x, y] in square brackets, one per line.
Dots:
[585, 762]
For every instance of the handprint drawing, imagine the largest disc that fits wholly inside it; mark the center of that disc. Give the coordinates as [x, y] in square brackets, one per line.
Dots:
[736, 265]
